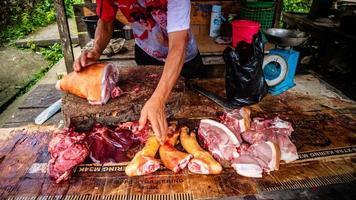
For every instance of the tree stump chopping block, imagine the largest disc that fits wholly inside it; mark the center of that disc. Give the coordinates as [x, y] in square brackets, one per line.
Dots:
[138, 84]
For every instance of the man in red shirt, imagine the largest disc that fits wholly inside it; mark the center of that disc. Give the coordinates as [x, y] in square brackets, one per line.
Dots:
[162, 37]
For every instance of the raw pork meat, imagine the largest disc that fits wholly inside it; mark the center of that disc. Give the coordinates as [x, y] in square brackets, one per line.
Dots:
[142, 134]
[144, 161]
[219, 140]
[203, 162]
[96, 83]
[237, 121]
[108, 145]
[277, 131]
[248, 166]
[259, 157]
[67, 149]
[172, 158]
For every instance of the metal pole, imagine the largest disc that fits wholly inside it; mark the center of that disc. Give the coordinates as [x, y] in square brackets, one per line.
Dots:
[64, 34]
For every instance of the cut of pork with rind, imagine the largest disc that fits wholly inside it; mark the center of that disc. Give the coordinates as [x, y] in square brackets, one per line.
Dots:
[96, 83]
[172, 158]
[237, 121]
[277, 131]
[247, 165]
[219, 139]
[144, 161]
[259, 157]
[268, 152]
[203, 162]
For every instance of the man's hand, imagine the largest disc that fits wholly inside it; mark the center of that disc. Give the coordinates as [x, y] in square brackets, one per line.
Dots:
[103, 34]
[154, 111]
[86, 58]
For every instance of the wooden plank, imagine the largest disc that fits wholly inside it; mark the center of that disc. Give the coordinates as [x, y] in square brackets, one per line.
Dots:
[64, 34]
[17, 157]
[41, 97]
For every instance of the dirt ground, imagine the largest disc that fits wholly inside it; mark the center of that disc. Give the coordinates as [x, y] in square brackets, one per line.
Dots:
[17, 68]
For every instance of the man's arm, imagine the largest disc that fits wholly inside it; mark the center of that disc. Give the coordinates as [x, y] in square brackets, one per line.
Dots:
[154, 109]
[103, 35]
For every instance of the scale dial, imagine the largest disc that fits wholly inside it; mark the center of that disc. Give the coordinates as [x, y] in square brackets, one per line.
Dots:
[275, 69]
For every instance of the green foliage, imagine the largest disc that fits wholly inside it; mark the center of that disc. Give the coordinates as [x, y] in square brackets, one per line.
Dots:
[52, 53]
[300, 6]
[24, 19]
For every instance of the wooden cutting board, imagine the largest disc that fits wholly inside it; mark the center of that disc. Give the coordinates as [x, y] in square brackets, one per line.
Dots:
[24, 160]
[324, 134]
[138, 83]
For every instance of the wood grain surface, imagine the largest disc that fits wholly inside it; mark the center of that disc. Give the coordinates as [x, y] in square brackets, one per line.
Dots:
[324, 134]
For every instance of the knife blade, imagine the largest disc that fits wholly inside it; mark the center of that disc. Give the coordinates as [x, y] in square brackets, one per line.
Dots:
[48, 112]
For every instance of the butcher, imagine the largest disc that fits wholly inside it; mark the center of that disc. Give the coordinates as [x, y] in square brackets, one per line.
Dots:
[162, 37]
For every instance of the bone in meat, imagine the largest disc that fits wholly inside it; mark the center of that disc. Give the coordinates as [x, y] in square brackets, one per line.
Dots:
[172, 158]
[237, 121]
[144, 161]
[202, 162]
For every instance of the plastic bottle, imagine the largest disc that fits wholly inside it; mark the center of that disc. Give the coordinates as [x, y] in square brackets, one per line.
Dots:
[215, 21]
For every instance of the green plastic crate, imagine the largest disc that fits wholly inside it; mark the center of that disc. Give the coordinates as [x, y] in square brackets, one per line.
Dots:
[263, 12]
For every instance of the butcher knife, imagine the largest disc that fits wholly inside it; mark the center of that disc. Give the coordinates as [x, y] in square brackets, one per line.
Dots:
[48, 112]
[225, 103]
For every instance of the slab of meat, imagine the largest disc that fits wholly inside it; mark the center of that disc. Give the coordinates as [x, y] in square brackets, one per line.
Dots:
[275, 130]
[144, 161]
[259, 157]
[237, 121]
[96, 83]
[108, 145]
[67, 149]
[172, 158]
[247, 165]
[219, 139]
[202, 162]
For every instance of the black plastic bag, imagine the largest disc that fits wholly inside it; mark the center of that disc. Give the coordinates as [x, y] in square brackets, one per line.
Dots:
[244, 81]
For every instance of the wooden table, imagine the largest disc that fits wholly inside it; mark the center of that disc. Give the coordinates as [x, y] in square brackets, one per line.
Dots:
[324, 125]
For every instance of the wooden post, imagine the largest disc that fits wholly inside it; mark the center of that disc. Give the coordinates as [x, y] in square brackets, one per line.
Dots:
[278, 11]
[64, 34]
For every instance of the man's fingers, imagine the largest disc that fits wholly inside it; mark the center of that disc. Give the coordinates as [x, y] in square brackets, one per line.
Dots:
[76, 65]
[143, 120]
[83, 59]
[90, 55]
[164, 129]
[156, 129]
